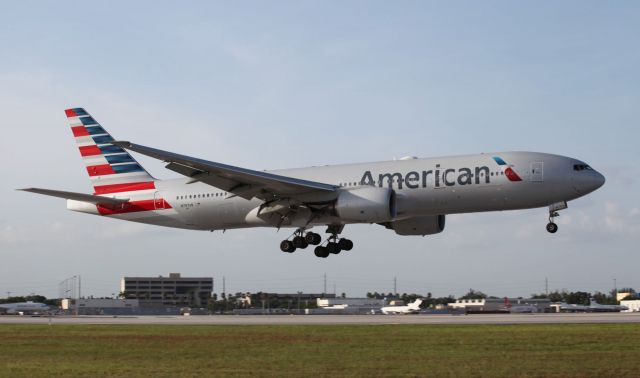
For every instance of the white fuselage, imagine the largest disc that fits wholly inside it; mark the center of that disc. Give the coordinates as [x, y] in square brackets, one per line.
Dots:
[434, 186]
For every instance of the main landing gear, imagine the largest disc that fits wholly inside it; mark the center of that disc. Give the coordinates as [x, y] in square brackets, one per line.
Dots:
[334, 244]
[300, 240]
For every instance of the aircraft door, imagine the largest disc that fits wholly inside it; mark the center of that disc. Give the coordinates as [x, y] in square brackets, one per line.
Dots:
[537, 172]
[158, 201]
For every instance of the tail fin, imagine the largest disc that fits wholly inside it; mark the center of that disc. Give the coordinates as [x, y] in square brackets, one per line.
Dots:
[416, 304]
[110, 168]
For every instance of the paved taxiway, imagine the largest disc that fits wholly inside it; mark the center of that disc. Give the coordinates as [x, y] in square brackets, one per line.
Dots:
[332, 319]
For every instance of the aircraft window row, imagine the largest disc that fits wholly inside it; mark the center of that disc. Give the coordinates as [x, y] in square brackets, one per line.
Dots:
[347, 184]
[196, 196]
[582, 167]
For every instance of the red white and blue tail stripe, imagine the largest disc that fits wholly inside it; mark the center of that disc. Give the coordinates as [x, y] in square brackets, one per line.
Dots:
[110, 168]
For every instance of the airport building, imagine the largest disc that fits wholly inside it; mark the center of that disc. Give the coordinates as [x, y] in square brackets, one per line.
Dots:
[632, 305]
[109, 306]
[350, 306]
[172, 291]
[496, 305]
[350, 302]
[622, 295]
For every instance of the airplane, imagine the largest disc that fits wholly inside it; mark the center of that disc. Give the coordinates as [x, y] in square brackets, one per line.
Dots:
[411, 308]
[518, 308]
[409, 196]
[597, 307]
[570, 307]
[28, 307]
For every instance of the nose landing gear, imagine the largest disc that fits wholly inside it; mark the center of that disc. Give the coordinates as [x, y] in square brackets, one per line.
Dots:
[552, 227]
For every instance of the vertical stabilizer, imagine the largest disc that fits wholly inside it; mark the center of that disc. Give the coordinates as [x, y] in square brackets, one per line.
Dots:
[111, 169]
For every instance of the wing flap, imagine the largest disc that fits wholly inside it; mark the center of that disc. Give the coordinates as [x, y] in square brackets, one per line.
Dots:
[90, 198]
[239, 181]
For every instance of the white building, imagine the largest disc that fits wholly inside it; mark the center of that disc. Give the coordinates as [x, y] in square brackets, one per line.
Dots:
[350, 302]
[102, 306]
[633, 305]
[501, 305]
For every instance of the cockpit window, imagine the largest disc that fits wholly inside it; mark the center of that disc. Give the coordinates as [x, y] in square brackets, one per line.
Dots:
[582, 167]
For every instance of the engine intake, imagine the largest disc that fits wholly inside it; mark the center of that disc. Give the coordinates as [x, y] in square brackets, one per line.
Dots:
[367, 204]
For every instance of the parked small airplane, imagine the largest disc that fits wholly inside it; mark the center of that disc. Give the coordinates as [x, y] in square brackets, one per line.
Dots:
[411, 308]
[570, 307]
[24, 308]
[597, 307]
[410, 196]
[518, 307]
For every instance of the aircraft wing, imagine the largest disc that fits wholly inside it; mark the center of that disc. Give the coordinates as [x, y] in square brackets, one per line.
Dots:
[98, 200]
[242, 182]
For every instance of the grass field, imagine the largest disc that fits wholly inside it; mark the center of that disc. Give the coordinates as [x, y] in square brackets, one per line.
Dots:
[385, 350]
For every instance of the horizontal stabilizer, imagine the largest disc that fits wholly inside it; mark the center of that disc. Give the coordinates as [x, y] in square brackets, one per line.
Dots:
[98, 200]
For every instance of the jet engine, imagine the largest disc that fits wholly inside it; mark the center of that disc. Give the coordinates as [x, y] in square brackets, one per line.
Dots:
[427, 225]
[366, 204]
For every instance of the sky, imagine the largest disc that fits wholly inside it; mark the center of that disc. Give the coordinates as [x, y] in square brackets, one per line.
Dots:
[267, 85]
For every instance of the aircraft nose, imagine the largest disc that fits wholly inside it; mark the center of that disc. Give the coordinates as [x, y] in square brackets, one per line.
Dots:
[598, 180]
[588, 182]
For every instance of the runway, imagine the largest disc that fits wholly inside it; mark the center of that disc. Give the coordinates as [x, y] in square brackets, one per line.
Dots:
[585, 318]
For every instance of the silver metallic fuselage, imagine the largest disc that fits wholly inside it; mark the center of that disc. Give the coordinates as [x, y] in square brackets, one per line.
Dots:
[444, 185]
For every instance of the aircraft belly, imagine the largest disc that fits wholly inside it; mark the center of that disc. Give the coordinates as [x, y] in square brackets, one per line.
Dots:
[471, 199]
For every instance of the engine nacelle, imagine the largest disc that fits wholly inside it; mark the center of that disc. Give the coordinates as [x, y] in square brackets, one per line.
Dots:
[427, 225]
[367, 204]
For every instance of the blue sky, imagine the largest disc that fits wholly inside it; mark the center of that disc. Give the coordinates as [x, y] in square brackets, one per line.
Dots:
[283, 84]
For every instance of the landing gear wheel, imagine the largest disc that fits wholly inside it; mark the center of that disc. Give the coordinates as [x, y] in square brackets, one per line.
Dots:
[552, 227]
[313, 238]
[333, 248]
[300, 242]
[287, 246]
[321, 252]
[345, 244]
